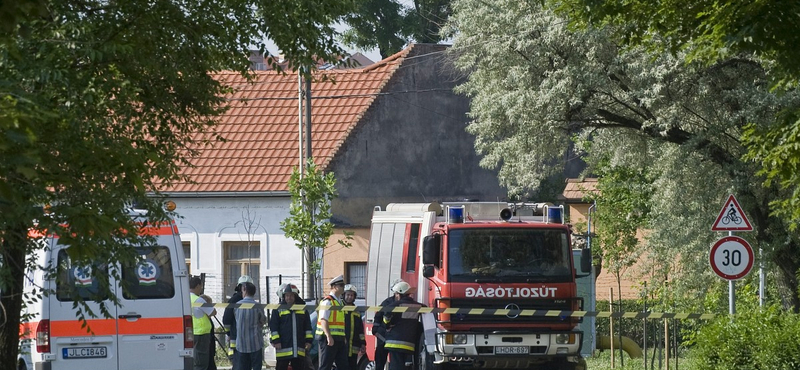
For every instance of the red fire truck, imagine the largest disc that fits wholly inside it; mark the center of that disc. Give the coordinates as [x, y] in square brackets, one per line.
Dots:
[511, 257]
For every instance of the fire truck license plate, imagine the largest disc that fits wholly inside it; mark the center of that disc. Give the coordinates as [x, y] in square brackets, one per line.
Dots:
[84, 352]
[511, 350]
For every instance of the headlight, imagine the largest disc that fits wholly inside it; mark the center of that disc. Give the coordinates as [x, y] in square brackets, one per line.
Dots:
[455, 338]
[565, 338]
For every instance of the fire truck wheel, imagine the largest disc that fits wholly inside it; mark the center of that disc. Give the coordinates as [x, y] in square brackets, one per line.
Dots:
[424, 360]
[366, 364]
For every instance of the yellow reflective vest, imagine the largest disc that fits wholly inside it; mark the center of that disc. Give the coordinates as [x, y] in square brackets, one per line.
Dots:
[202, 325]
[335, 319]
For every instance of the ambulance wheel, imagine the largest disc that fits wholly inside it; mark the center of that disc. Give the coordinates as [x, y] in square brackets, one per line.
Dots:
[21, 365]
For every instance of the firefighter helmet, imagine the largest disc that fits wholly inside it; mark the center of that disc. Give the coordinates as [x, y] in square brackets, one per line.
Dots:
[245, 279]
[401, 288]
[291, 288]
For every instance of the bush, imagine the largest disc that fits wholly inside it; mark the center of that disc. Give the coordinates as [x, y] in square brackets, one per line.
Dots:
[757, 339]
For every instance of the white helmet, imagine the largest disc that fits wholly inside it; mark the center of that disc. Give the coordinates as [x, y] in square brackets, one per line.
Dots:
[245, 279]
[351, 288]
[281, 289]
[401, 288]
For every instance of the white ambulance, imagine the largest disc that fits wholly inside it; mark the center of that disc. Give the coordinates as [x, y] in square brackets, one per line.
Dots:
[151, 329]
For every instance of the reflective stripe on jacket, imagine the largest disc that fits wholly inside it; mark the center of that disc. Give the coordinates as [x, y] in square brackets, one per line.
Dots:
[292, 329]
[403, 328]
[355, 332]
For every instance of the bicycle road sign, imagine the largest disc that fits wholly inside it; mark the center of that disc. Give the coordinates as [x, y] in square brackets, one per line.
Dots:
[731, 258]
[731, 217]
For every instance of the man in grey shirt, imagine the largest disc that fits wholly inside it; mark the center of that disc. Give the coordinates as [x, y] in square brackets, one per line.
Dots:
[249, 332]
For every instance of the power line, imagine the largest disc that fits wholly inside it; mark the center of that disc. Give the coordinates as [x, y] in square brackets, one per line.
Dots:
[342, 96]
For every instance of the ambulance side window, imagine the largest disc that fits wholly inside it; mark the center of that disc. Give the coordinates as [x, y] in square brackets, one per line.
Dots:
[78, 280]
[151, 279]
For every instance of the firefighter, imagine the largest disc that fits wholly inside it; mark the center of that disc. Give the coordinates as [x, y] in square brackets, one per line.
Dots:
[229, 319]
[330, 329]
[379, 330]
[354, 327]
[402, 329]
[290, 332]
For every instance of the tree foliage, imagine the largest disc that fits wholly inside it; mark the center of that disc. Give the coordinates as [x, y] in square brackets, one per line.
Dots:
[712, 31]
[102, 103]
[623, 209]
[389, 24]
[535, 83]
[309, 221]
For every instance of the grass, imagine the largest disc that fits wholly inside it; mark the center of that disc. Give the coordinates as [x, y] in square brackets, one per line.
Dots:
[602, 361]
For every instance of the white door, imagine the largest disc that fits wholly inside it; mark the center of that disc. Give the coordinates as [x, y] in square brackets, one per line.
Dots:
[151, 328]
[73, 345]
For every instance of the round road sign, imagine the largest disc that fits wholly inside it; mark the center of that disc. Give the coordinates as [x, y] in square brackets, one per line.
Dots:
[731, 258]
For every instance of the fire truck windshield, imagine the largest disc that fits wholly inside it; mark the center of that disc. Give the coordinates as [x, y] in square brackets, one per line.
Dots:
[508, 255]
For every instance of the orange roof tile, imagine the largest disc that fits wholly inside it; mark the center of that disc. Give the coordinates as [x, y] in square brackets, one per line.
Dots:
[261, 126]
[576, 189]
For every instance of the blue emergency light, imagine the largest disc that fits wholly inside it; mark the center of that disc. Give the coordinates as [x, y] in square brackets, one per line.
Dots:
[554, 214]
[455, 215]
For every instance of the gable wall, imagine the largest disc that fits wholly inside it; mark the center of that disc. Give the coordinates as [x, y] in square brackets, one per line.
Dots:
[411, 145]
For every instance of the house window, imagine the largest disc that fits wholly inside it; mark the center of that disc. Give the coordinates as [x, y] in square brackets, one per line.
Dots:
[242, 258]
[357, 275]
[187, 255]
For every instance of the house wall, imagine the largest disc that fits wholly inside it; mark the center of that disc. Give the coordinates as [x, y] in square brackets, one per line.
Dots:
[337, 256]
[207, 224]
[628, 285]
[411, 145]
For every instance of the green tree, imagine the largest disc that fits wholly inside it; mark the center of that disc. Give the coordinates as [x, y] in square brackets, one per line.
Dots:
[710, 32]
[309, 221]
[623, 208]
[535, 84]
[102, 103]
[389, 25]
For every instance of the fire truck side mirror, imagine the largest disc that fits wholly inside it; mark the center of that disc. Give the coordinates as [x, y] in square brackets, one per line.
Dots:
[430, 249]
[586, 260]
[427, 271]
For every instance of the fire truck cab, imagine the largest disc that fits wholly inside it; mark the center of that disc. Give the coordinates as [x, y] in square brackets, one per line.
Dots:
[507, 267]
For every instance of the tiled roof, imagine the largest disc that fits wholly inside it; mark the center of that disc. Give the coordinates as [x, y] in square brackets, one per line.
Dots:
[261, 127]
[576, 189]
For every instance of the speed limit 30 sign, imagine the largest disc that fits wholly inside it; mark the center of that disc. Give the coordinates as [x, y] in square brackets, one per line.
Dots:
[731, 258]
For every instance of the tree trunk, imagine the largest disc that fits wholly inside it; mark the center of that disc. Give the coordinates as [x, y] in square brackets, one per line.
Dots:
[12, 250]
[788, 262]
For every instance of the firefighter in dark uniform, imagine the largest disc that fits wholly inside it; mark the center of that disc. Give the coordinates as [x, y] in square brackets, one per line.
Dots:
[353, 327]
[379, 330]
[290, 332]
[402, 329]
[330, 329]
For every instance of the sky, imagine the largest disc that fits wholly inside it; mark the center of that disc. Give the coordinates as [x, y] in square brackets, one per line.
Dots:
[373, 54]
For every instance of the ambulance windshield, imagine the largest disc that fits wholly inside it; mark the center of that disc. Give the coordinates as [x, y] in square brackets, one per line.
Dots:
[508, 255]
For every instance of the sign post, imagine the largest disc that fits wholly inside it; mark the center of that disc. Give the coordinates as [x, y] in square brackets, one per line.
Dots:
[732, 257]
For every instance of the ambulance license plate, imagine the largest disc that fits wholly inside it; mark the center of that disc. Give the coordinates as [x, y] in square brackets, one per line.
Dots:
[511, 350]
[84, 352]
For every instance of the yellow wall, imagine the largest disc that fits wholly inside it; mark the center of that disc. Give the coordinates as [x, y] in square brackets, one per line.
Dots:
[606, 281]
[336, 256]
